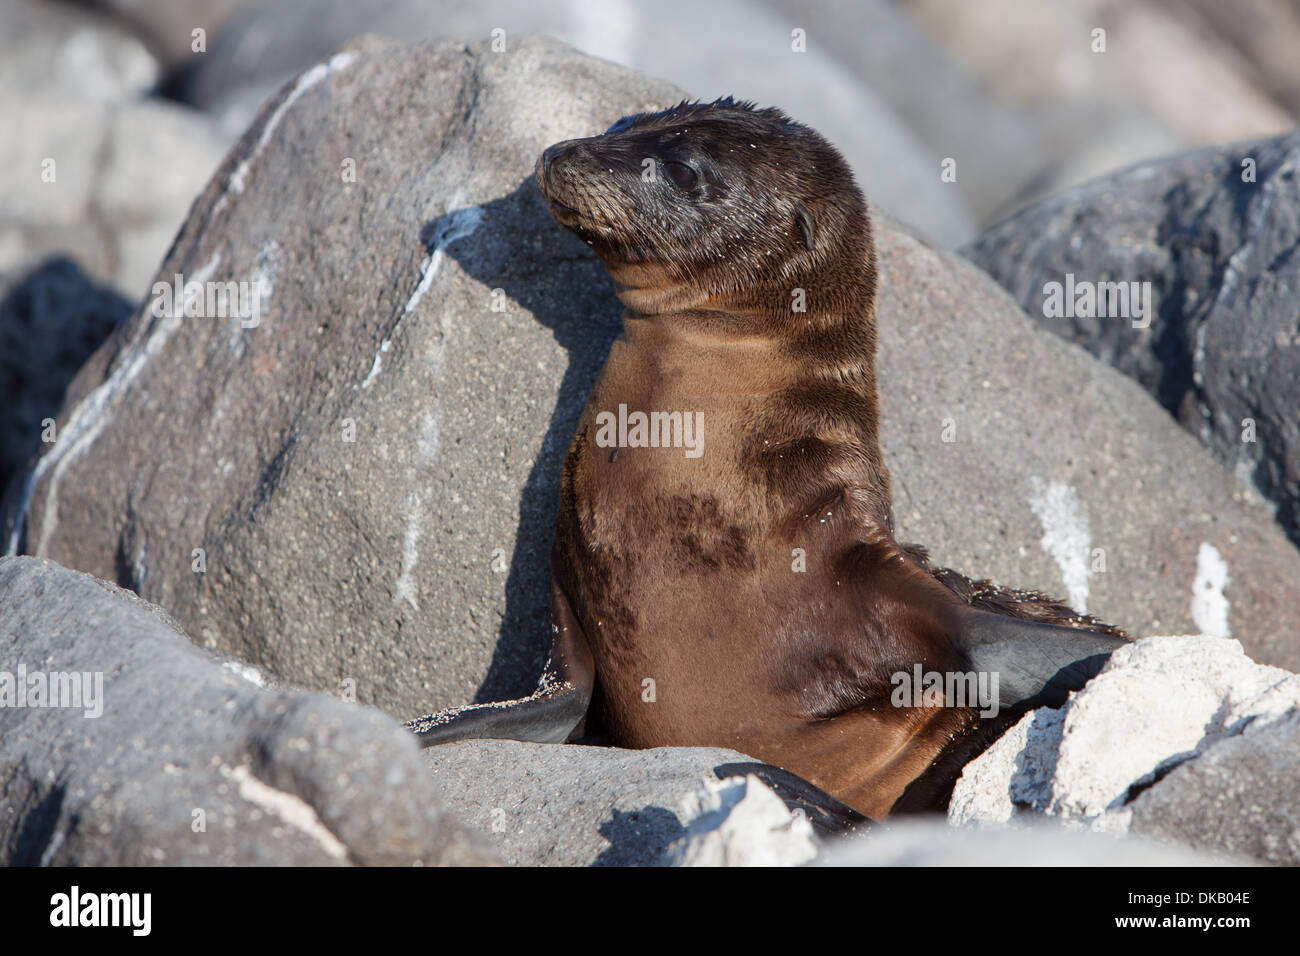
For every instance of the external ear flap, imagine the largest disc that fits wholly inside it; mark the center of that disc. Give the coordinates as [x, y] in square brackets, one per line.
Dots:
[1037, 664]
[804, 218]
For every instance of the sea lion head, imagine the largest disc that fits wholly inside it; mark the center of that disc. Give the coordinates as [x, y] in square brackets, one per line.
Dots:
[710, 198]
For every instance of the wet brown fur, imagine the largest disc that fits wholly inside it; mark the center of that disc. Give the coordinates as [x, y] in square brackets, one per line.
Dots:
[679, 570]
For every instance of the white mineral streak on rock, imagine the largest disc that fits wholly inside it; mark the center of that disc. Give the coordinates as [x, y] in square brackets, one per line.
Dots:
[246, 672]
[309, 78]
[288, 807]
[410, 553]
[1065, 535]
[1209, 605]
[456, 224]
[91, 415]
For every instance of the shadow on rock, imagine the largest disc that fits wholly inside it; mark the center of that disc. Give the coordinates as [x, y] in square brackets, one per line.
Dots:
[38, 830]
[519, 249]
[639, 837]
[51, 320]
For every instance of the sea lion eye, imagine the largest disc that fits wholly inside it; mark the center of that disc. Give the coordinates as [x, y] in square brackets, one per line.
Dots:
[681, 174]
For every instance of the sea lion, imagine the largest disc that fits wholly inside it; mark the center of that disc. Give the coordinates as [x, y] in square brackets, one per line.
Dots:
[724, 570]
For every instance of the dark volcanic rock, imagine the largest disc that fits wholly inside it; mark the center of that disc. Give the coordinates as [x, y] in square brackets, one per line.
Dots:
[168, 756]
[51, 320]
[1222, 352]
[368, 474]
[366, 478]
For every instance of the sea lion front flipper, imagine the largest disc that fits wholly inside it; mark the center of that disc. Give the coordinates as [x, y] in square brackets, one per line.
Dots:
[553, 713]
[1037, 664]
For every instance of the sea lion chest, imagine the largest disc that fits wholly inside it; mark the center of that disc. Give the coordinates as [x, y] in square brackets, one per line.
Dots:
[664, 536]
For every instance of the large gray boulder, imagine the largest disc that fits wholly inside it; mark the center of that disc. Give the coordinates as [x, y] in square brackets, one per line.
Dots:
[570, 805]
[1178, 738]
[355, 486]
[122, 744]
[1242, 796]
[694, 806]
[1020, 458]
[1214, 233]
[364, 472]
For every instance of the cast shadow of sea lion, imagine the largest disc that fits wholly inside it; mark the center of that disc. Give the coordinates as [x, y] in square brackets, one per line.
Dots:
[35, 838]
[546, 271]
[638, 837]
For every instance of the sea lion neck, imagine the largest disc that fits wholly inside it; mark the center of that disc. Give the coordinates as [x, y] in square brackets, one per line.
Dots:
[647, 292]
[791, 306]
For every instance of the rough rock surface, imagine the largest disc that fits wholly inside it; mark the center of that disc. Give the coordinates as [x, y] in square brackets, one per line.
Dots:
[1165, 713]
[170, 757]
[1223, 346]
[1241, 796]
[369, 473]
[570, 805]
[1061, 474]
[370, 497]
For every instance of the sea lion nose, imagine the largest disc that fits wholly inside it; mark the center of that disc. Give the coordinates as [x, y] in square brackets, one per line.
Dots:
[547, 156]
[551, 154]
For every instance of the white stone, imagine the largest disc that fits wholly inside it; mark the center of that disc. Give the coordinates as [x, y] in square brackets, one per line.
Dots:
[740, 822]
[1157, 703]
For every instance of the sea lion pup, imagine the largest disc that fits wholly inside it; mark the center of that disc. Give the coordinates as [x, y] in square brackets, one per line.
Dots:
[724, 569]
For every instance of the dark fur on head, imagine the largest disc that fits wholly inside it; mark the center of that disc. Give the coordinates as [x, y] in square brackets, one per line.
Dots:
[722, 194]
